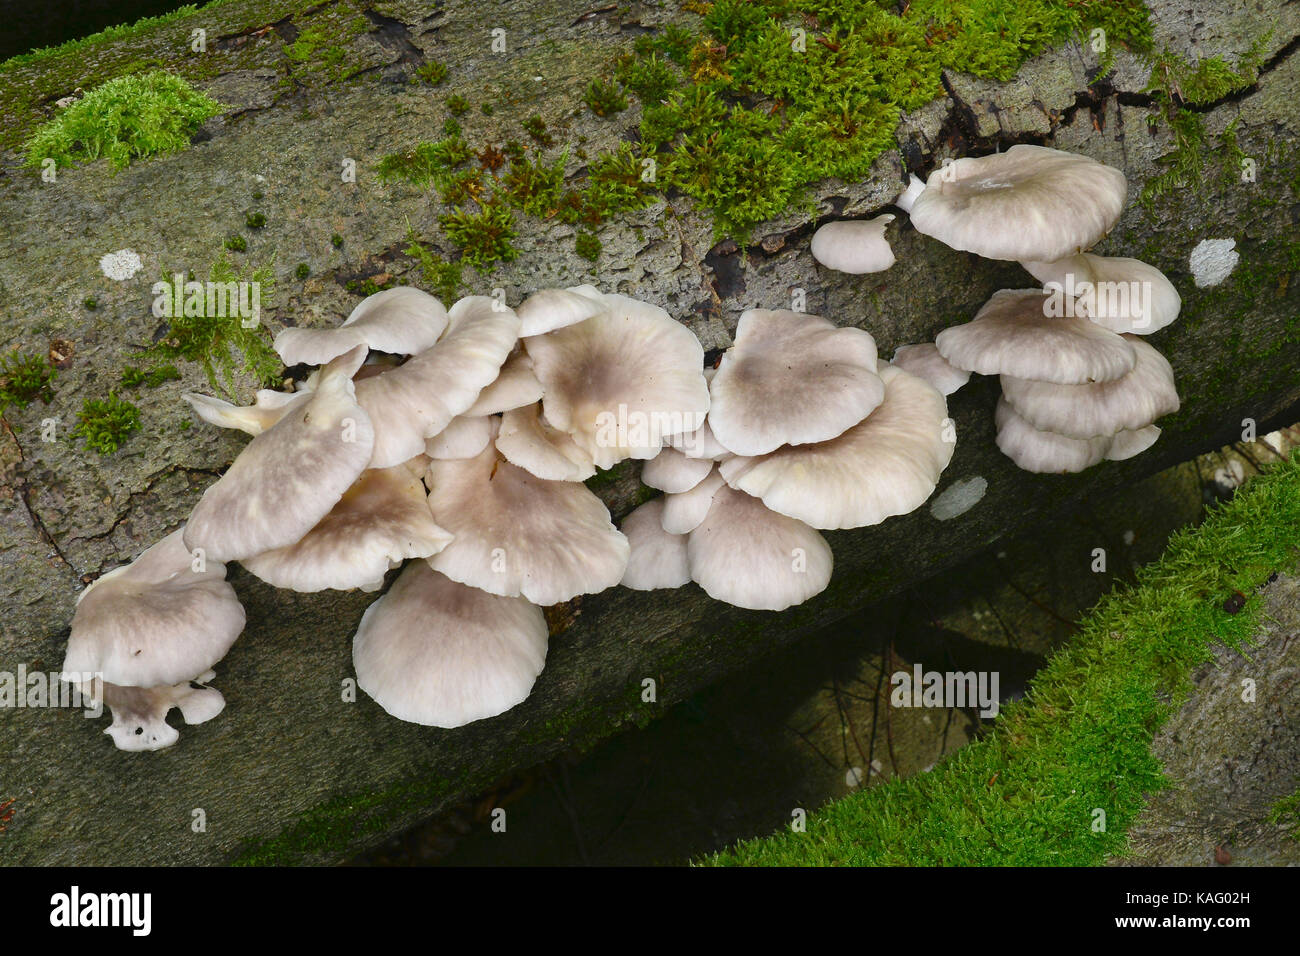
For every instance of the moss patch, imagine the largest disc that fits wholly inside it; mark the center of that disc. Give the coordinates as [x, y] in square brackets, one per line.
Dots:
[25, 378]
[1080, 742]
[104, 424]
[125, 119]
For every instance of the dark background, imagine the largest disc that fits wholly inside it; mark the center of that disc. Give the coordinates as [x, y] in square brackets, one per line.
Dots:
[31, 24]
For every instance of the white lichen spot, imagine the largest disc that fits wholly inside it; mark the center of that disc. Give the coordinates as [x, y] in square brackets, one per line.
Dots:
[1129, 537]
[121, 265]
[958, 498]
[854, 777]
[1212, 261]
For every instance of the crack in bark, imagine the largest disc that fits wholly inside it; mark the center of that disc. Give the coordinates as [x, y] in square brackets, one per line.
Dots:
[24, 495]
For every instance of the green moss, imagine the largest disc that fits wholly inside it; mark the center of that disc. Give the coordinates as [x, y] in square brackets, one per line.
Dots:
[603, 98]
[432, 72]
[235, 243]
[587, 245]
[769, 96]
[444, 279]
[125, 119]
[219, 342]
[487, 109]
[321, 52]
[368, 286]
[90, 303]
[336, 241]
[1176, 83]
[302, 271]
[1081, 740]
[615, 184]
[426, 163]
[451, 127]
[255, 220]
[535, 127]
[104, 424]
[1287, 813]
[25, 378]
[484, 236]
[458, 105]
[133, 377]
[535, 187]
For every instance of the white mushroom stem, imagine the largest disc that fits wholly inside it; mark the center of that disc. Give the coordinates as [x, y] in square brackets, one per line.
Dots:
[915, 186]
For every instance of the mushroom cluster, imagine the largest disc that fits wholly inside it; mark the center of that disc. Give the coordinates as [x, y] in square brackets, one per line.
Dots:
[456, 441]
[807, 430]
[1079, 385]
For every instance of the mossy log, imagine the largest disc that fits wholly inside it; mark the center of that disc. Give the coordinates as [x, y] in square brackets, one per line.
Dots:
[294, 772]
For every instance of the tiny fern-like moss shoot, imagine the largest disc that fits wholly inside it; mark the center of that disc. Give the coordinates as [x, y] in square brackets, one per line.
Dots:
[128, 118]
[104, 424]
[25, 378]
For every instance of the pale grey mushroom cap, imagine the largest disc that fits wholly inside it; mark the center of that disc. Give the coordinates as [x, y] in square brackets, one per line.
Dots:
[700, 442]
[683, 512]
[1131, 443]
[1029, 203]
[791, 379]
[1045, 452]
[515, 387]
[549, 309]
[268, 408]
[658, 559]
[517, 534]
[924, 361]
[751, 557]
[464, 437]
[418, 399]
[1123, 295]
[435, 652]
[1011, 335]
[380, 521]
[854, 246]
[529, 442]
[290, 476]
[140, 713]
[887, 465]
[1130, 402]
[672, 471]
[623, 381]
[401, 320]
[156, 621]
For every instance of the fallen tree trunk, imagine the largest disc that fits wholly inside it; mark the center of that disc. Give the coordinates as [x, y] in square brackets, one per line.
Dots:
[293, 771]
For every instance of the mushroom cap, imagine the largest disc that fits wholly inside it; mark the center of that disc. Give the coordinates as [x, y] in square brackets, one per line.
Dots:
[854, 246]
[622, 381]
[155, 621]
[683, 512]
[438, 653]
[672, 471]
[1029, 203]
[791, 379]
[658, 559]
[1123, 295]
[530, 443]
[888, 464]
[380, 521]
[268, 408]
[515, 387]
[140, 713]
[290, 476]
[549, 309]
[517, 534]
[1131, 401]
[1131, 443]
[402, 320]
[464, 437]
[1045, 452]
[417, 400]
[1011, 335]
[751, 557]
[924, 361]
